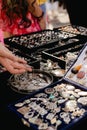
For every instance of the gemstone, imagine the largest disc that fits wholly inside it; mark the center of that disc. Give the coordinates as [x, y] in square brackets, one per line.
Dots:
[80, 74]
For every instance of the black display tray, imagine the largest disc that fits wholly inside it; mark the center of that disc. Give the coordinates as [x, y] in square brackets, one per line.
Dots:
[67, 43]
[73, 45]
[59, 106]
[42, 39]
[78, 30]
[31, 42]
[38, 53]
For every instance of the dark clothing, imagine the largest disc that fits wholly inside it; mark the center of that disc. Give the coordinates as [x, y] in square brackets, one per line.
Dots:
[77, 12]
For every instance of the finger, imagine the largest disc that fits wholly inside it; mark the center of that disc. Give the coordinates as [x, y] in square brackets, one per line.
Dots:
[20, 60]
[16, 71]
[28, 68]
[5, 52]
[20, 66]
[11, 67]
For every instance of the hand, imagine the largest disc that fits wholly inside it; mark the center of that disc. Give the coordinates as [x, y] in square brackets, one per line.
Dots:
[14, 67]
[12, 63]
[42, 23]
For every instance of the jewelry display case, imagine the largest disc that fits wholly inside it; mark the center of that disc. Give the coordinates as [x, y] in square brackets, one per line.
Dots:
[73, 29]
[58, 107]
[32, 42]
[61, 104]
[65, 54]
[77, 73]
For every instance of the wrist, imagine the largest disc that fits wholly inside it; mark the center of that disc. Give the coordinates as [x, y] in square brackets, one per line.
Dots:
[40, 17]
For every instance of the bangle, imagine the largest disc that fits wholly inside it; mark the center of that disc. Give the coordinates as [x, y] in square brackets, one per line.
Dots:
[40, 17]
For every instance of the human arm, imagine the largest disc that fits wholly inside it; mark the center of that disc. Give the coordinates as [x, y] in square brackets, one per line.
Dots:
[34, 8]
[12, 63]
[37, 12]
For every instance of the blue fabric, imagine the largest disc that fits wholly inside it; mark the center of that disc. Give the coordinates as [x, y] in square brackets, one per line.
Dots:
[43, 7]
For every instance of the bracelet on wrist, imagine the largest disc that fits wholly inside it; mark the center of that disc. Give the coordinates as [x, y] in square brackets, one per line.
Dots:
[40, 17]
